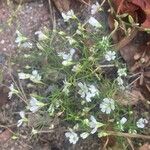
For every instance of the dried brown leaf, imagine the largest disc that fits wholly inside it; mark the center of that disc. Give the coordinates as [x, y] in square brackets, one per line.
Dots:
[5, 136]
[62, 5]
[145, 147]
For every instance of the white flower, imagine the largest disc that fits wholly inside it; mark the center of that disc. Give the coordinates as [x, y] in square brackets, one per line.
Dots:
[67, 57]
[141, 123]
[35, 77]
[41, 35]
[87, 91]
[94, 124]
[12, 91]
[34, 131]
[92, 21]
[66, 87]
[121, 123]
[94, 91]
[27, 55]
[76, 68]
[71, 40]
[66, 16]
[23, 76]
[120, 81]
[110, 55]
[123, 120]
[35, 105]
[122, 72]
[73, 137]
[107, 105]
[26, 45]
[83, 89]
[23, 118]
[20, 38]
[67, 63]
[95, 8]
[84, 135]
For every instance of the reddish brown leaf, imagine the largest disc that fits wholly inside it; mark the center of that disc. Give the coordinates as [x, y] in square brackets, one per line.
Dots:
[62, 5]
[145, 6]
[145, 147]
[5, 136]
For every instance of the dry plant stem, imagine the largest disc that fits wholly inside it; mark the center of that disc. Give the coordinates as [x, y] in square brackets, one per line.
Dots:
[82, 1]
[128, 135]
[126, 40]
[130, 143]
[22, 97]
[134, 81]
[106, 143]
[22, 91]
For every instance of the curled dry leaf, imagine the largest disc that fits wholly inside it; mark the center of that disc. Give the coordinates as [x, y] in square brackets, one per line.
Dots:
[145, 6]
[136, 8]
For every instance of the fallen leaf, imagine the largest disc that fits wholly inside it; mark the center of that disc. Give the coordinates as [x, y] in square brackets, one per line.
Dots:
[5, 136]
[129, 97]
[135, 8]
[145, 147]
[145, 6]
[62, 5]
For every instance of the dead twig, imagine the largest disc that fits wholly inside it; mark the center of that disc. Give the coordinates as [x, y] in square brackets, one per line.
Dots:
[128, 135]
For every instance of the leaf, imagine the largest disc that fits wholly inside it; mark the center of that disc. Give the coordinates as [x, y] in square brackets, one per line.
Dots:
[5, 136]
[62, 5]
[145, 147]
[145, 6]
[139, 8]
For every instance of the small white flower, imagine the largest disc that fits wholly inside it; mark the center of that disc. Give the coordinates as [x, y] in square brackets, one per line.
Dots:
[92, 21]
[67, 16]
[27, 55]
[94, 91]
[119, 81]
[107, 105]
[122, 72]
[23, 118]
[66, 87]
[73, 137]
[41, 35]
[35, 105]
[26, 45]
[83, 89]
[141, 123]
[87, 91]
[121, 123]
[89, 96]
[71, 40]
[94, 124]
[67, 57]
[34, 131]
[110, 55]
[23, 76]
[76, 68]
[12, 91]
[35, 77]
[95, 8]
[123, 120]
[20, 38]
[84, 135]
